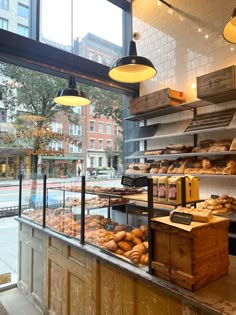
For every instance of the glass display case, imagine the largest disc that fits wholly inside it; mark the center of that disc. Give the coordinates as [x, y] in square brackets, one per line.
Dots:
[95, 215]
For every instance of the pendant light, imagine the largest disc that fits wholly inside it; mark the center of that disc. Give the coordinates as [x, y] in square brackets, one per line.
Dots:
[132, 68]
[71, 96]
[229, 32]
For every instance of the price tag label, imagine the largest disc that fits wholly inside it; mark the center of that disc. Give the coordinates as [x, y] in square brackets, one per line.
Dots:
[214, 196]
[109, 227]
[129, 228]
[127, 181]
[182, 218]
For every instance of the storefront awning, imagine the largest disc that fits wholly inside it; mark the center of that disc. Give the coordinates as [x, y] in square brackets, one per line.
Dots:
[71, 158]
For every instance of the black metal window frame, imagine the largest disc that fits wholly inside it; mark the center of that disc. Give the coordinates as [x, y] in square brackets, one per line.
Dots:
[32, 54]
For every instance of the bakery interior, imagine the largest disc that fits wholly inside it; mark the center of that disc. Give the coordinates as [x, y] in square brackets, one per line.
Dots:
[138, 253]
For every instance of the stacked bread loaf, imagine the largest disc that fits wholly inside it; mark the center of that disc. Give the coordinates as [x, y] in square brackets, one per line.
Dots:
[220, 205]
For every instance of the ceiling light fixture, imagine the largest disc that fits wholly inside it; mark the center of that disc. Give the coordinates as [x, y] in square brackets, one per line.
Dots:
[132, 68]
[71, 96]
[229, 32]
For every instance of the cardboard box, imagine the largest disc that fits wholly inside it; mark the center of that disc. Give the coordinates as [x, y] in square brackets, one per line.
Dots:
[190, 255]
[156, 100]
[218, 86]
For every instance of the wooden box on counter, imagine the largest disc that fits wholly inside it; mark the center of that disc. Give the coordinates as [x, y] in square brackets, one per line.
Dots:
[218, 86]
[190, 256]
[156, 100]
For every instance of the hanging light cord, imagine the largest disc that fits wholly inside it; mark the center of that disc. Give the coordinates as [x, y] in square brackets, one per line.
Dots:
[166, 3]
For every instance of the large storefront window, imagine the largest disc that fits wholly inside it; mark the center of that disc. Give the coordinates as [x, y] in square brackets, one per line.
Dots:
[15, 16]
[82, 28]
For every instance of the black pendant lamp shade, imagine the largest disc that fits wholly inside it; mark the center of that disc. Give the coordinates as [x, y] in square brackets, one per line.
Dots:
[229, 32]
[133, 68]
[71, 96]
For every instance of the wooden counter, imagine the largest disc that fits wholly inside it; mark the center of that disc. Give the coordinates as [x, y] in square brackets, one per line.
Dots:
[63, 277]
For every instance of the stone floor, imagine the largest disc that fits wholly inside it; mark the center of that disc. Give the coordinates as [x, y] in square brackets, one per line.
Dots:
[17, 304]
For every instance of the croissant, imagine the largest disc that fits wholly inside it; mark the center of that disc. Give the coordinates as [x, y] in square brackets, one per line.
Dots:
[137, 232]
[127, 254]
[129, 237]
[136, 240]
[119, 236]
[135, 256]
[119, 251]
[125, 246]
[140, 247]
[144, 259]
[111, 245]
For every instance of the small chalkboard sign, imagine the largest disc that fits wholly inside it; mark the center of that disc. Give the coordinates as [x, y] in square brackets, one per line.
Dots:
[109, 227]
[214, 196]
[181, 217]
[127, 181]
[141, 181]
[129, 228]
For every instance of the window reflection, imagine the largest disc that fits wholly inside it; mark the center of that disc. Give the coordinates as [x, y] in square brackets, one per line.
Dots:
[95, 34]
[23, 10]
[4, 24]
[16, 17]
[4, 4]
[22, 30]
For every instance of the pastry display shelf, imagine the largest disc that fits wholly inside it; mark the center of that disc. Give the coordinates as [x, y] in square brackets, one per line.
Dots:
[168, 174]
[102, 194]
[171, 156]
[169, 110]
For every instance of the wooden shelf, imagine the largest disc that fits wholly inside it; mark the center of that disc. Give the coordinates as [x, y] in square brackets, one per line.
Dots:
[140, 155]
[169, 110]
[165, 174]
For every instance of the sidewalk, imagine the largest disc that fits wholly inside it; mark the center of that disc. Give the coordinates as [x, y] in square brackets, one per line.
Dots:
[15, 182]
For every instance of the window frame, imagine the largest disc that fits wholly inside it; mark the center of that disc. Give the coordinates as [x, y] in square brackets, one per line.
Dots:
[92, 126]
[108, 125]
[100, 141]
[23, 6]
[7, 4]
[90, 141]
[6, 21]
[34, 55]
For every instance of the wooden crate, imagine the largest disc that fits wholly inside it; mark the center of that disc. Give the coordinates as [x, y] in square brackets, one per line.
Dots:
[156, 100]
[138, 105]
[218, 86]
[190, 255]
[164, 98]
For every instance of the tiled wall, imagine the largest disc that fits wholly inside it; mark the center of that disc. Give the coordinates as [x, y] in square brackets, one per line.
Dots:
[175, 41]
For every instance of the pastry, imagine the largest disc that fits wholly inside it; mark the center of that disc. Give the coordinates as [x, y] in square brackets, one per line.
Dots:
[144, 259]
[137, 232]
[111, 245]
[135, 255]
[119, 236]
[125, 246]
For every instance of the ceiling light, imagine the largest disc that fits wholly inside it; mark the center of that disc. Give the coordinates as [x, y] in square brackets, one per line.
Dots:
[71, 96]
[229, 32]
[132, 68]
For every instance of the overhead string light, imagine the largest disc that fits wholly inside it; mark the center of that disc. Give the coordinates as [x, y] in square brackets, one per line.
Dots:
[202, 28]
